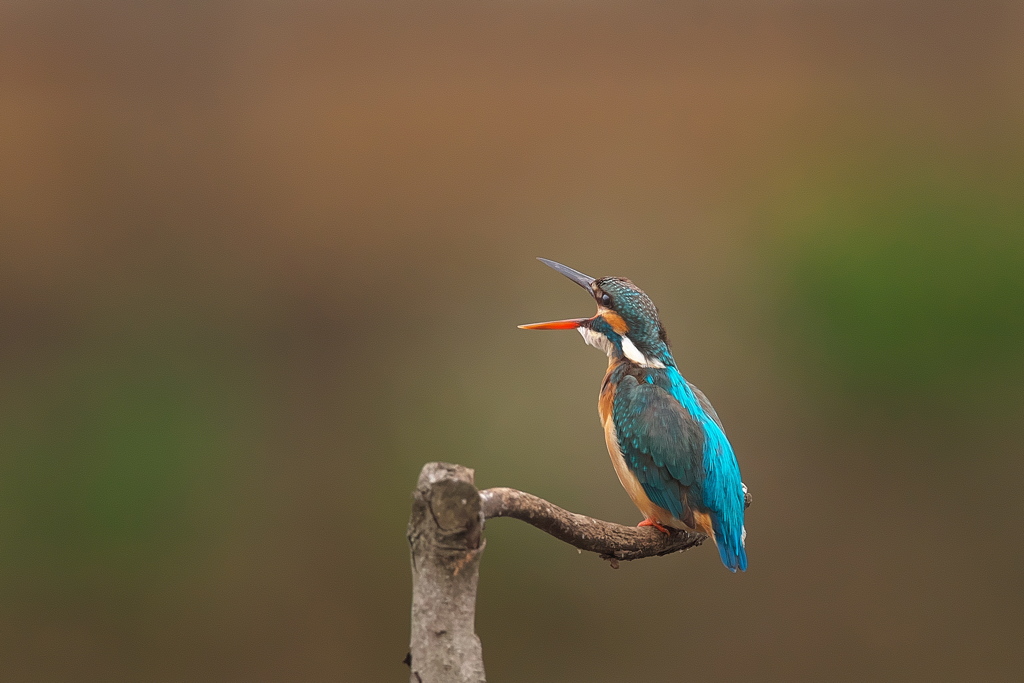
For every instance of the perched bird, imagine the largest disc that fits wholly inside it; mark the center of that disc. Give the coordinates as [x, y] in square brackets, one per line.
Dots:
[665, 440]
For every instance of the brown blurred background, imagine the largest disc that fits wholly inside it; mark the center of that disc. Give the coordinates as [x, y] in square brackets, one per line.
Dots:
[262, 260]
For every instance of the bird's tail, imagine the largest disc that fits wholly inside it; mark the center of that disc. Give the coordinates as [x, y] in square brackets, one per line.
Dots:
[731, 548]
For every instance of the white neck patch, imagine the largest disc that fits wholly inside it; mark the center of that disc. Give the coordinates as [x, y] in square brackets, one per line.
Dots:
[629, 349]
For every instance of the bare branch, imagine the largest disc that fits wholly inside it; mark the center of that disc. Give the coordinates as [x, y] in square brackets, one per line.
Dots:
[610, 541]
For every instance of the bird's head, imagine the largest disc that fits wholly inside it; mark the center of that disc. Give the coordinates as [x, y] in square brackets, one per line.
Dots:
[626, 324]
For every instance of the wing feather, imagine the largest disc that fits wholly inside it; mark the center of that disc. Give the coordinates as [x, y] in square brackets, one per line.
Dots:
[661, 443]
[705, 404]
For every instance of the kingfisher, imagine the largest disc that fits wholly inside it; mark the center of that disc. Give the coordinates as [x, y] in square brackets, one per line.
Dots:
[667, 445]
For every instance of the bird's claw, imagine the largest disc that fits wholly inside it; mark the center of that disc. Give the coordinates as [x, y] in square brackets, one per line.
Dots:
[650, 522]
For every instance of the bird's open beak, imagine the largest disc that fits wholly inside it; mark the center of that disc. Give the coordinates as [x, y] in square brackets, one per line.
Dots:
[584, 281]
[570, 324]
[576, 276]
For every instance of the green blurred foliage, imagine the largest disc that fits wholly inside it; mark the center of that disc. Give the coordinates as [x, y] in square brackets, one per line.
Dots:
[111, 452]
[903, 294]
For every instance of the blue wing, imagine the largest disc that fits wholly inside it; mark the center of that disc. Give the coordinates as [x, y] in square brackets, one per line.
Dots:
[673, 441]
[723, 488]
[661, 442]
[705, 404]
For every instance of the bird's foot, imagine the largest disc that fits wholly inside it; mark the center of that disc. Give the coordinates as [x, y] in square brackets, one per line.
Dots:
[650, 522]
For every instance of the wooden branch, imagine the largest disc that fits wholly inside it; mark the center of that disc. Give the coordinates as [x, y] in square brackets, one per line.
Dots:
[611, 541]
[446, 538]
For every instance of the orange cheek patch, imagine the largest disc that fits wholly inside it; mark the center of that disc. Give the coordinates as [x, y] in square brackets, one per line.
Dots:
[616, 322]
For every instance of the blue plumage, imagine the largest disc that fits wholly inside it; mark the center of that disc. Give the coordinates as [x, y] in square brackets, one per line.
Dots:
[667, 443]
[679, 453]
[722, 490]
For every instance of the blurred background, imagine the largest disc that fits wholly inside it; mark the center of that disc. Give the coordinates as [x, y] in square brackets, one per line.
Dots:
[260, 261]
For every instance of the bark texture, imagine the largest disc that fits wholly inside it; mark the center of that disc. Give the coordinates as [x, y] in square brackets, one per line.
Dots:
[445, 537]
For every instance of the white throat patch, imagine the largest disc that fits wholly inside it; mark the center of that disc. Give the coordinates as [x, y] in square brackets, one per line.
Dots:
[596, 339]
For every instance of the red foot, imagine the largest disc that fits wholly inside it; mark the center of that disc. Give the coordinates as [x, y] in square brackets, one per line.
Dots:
[650, 522]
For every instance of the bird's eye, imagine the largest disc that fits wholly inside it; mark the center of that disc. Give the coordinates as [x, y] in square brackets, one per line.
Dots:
[605, 300]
